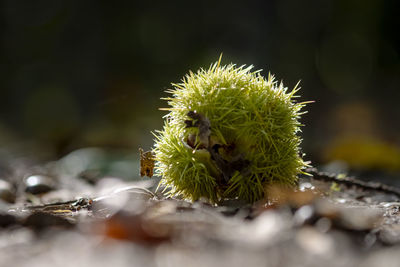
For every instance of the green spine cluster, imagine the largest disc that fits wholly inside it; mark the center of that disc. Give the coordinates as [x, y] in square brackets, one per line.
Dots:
[252, 142]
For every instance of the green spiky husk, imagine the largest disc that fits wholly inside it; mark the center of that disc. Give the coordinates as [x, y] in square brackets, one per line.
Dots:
[255, 114]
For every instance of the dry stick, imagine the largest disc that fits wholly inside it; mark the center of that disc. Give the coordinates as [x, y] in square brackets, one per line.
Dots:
[350, 181]
[73, 205]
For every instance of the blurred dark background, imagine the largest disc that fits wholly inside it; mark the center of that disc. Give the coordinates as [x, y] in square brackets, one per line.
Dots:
[79, 74]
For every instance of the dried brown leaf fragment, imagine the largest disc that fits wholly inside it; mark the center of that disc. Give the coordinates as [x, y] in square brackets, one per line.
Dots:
[146, 163]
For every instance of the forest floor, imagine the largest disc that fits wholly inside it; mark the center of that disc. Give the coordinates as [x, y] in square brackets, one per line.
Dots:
[327, 221]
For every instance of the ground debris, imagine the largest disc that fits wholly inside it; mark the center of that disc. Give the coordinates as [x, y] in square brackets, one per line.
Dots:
[351, 181]
[129, 225]
[146, 163]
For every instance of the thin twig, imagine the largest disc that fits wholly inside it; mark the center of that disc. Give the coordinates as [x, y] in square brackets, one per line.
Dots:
[351, 181]
[72, 206]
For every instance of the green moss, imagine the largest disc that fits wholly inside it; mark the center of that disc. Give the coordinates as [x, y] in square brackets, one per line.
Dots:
[251, 143]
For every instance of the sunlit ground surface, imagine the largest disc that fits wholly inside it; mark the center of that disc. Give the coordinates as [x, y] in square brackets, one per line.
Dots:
[91, 208]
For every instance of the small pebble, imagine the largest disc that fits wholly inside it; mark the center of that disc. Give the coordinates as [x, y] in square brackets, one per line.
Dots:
[359, 219]
[315, 242]
[6, 192]
[38, 184]
[323, 225]
[303, 215]
[390, 234]
[306, 186]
